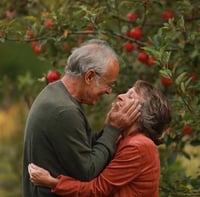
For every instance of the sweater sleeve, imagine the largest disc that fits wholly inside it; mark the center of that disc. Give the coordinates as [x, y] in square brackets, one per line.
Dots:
[123, 169]
[71, 140]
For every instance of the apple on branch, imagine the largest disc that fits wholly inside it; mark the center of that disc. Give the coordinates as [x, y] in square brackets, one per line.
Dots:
[131, 16]
[143, 57]
[136, 33]
[167, 14]
[129, 46]
[52, 75]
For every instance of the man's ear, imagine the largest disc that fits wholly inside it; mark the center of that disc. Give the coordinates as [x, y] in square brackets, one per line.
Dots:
[89, 76]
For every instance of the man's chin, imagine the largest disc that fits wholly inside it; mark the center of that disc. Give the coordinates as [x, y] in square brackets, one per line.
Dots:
[92, 103]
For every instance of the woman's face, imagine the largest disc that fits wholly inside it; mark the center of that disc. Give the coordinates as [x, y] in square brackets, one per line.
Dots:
[130, 94]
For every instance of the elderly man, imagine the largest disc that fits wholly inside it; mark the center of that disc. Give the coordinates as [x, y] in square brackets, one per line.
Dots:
[58, 136]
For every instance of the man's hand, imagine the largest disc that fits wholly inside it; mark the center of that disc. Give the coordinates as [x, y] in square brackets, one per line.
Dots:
[122, 117]
[40, 176]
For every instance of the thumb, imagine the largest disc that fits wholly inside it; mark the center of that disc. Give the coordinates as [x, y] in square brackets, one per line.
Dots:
[29, 169]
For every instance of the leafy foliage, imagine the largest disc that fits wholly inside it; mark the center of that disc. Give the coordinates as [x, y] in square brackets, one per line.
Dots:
[53, 28]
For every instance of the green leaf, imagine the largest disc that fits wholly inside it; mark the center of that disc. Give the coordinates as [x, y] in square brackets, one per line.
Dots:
[165, 57]
[181, 23]
[181, 78]
[165, 73]
[182, 86]
[31, 18]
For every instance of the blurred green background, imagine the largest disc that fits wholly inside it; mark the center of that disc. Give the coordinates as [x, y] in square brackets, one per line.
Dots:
[175, 44]
[15, 60]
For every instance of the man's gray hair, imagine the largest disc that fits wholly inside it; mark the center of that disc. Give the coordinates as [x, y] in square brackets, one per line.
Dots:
[94, 54]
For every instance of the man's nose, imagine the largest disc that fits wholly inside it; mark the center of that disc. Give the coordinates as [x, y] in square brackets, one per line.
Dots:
[109, 91]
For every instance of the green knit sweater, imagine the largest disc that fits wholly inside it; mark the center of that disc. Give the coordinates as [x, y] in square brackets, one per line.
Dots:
[58, 137]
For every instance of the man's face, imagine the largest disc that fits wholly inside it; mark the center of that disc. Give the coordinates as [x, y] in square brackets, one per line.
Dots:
[101, 84]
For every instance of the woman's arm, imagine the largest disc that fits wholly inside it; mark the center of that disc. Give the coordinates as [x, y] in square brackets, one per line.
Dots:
[123, 169]
[40, 176]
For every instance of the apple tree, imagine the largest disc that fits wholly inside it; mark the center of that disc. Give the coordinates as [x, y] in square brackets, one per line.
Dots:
[156, 40]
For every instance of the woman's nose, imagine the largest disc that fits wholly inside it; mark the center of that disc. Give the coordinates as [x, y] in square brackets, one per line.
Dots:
[121, 97]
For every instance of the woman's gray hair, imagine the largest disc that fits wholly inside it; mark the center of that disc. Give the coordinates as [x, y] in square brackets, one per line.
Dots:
[156, 112]
[94, 54]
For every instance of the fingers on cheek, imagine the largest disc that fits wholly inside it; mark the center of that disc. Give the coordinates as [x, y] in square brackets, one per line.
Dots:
[117, 106]
[129, 106]
[114, 107]
[136, 116]
[135, 105]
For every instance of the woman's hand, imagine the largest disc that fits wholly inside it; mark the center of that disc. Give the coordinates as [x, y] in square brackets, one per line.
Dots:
[40, 176]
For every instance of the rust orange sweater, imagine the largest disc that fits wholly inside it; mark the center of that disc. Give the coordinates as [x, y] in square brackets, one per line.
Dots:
[133, 172]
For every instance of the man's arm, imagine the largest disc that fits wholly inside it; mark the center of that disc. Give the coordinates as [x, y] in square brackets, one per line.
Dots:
[70, 140]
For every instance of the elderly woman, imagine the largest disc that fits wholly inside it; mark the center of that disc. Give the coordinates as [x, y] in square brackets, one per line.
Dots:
[135, 168]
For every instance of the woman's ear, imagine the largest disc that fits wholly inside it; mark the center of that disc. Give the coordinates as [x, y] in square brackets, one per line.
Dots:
[89, 76]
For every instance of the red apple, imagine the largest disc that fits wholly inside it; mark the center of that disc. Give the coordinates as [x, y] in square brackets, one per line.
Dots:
[30, 35]
[129, 46]
[187, 130]
[90, 26]
[136, 33]
[10, 14]
[37, 48]
[167, 14]
[143, 57]
[166, 81]
[52, 76]
[48, 24]
[151, 61]
[128, 34]
[193, 77]
[131, 16]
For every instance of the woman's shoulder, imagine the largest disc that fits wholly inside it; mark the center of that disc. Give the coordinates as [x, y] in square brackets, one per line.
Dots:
[138, 140]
